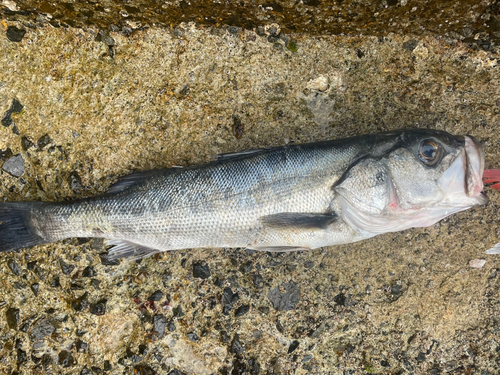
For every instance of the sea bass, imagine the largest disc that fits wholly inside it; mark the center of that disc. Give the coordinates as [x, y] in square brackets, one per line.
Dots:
[278, 199]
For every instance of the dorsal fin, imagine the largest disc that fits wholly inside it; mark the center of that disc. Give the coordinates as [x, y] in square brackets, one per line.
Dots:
[133, 179]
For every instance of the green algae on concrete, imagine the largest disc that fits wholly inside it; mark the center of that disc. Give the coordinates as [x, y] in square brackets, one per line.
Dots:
[399, 303]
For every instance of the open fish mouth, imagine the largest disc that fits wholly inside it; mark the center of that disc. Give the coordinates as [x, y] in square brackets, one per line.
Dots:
[462, 183]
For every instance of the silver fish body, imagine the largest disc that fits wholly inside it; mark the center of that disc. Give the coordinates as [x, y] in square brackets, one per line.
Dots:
[279, 199]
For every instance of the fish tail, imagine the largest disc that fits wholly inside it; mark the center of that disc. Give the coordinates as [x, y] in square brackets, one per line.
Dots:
[17, 228]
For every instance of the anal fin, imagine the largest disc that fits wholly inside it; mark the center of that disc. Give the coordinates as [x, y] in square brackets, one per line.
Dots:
[130, 250]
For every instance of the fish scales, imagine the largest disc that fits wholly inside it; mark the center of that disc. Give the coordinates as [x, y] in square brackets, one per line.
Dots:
[215, 206]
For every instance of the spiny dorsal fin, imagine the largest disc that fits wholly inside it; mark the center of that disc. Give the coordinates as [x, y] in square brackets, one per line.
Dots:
[133, 179]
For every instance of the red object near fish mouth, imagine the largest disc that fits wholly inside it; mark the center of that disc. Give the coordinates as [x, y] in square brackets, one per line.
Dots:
[492, 176]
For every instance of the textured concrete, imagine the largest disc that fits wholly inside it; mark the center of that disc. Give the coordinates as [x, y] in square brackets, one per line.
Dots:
[98, 105]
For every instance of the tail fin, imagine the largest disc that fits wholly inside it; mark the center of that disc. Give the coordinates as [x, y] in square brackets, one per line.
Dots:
[16, 228]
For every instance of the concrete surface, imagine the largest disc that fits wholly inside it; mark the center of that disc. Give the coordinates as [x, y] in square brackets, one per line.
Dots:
[83, 107]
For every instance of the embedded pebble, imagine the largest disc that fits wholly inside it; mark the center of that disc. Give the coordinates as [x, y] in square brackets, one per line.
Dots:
[201, 270]
[477, 263]
[287, 300]
[320, 83]
[14, 34]
[14, 166]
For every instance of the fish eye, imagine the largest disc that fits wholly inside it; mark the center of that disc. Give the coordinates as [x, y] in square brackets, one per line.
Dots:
[428, 152]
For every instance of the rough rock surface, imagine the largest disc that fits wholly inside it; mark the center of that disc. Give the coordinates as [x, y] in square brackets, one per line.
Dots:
[98, 105]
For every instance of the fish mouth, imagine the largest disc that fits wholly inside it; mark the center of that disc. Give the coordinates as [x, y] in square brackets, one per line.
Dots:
[462, 183]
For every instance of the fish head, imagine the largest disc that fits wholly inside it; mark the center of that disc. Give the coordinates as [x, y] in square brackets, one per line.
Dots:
[413, 179]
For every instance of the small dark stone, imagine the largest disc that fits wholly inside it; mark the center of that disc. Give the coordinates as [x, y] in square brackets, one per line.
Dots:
[193, 336]
[384, 363]
[360, 53]
[75, 183]
[396, 290]
[21, 356]
[340, 299]
[43, 141]
[224, 337]
[89, 271]
[143, 349]
[80, 303]
[66, 359]
[12, 316]
[55, 282]
[258, 280]
[156, 296]
[201, 270]
[410, 45]
[16, 106]
[96, 370]
[6, 119]
[159, 325]
[14, 34]
[103, 36]
[34, 288]
[228, 299]
[238, 128]
[178, 32]
[143, 370]
[242, 310]
[40, 329]
[239, 367]
[246, 267]
[285, 301]
[236, 346]
[14, 267]
[106, 260]
[294, 345]
[177, 312]
[86, 371]
[309, 264]
[26, 143]
[184, 91]
[218, 282]
[272, 38]
[254, 366]
[14, 166]
[212, 302]
[107, 366]
[98, 308]
[80, 346]
[66, 268]
[233, 29]
[434, 371]
[15, 130]
[5, 154]
[421, 357]
[171, 326]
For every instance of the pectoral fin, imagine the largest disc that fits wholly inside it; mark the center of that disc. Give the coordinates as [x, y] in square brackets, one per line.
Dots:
[298, 221]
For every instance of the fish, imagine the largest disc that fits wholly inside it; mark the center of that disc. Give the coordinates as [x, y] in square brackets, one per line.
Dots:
[295, 197]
